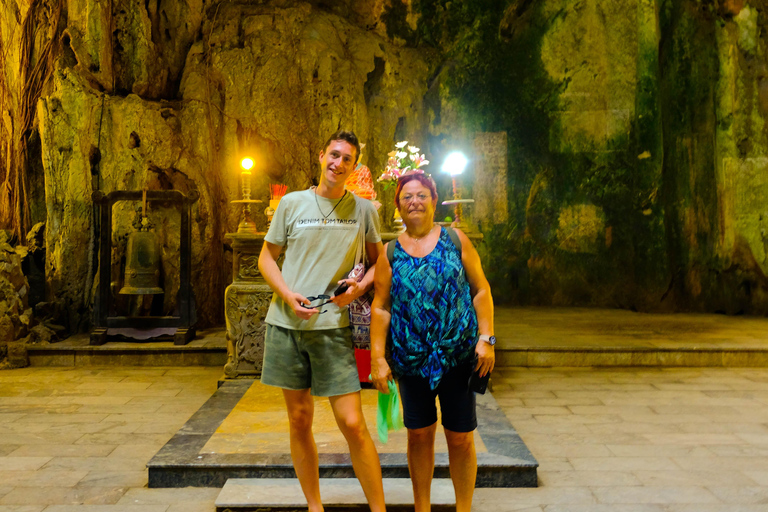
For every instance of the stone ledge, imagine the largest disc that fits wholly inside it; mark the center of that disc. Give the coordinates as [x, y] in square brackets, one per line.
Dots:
[546, 357]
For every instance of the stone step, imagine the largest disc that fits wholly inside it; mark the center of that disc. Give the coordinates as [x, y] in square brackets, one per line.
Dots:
[622, 356]
[338, 494]
[208, 348]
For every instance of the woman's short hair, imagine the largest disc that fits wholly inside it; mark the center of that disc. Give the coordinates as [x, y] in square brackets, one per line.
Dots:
[424, 179]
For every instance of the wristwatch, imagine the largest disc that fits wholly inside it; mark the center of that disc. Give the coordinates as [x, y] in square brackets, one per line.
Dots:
[491, 340]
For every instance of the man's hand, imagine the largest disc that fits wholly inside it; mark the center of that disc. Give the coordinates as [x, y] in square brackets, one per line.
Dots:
[295, 300]
[486, 358]
[381, 374]
[353, 291]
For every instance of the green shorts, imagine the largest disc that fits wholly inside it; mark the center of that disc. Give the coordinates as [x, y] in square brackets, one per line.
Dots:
[322, 361]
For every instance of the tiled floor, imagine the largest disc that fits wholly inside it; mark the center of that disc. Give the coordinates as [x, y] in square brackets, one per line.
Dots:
[621, 440]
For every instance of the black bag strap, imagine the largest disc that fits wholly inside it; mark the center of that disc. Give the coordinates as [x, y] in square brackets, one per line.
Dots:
[391, 250]
[454, 237]
[451, 232]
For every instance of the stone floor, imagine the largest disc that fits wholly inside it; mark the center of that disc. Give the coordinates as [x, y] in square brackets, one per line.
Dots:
[607, 440]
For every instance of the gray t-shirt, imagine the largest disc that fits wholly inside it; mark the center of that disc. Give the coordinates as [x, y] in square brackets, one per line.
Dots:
[318, 252]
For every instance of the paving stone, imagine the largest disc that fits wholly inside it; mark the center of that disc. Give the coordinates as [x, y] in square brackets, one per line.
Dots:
[622, 464]
[199, 506]
[670, 494]
[64, 496]
[125, 439]
[582, 450]
[169, 496]
[701, 507]
[117, 401]
[114, 479]
[137, 451]
[59, 417]
[97, 463]
[646, 450]
[607, 508]
[107, 508]
[553, 478]
[90, 428]
[712, 427]
[8, 449]
[42, 478]
[502, 500]
[739, 494]
[722, 463]
[694, 478]
[40, 438]
[22, 463]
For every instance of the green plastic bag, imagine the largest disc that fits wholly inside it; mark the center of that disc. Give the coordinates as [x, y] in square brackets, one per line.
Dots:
[389, 416]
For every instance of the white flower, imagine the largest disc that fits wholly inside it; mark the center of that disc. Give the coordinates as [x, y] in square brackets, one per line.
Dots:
[413, 149]
[402, 144]
[402, 154]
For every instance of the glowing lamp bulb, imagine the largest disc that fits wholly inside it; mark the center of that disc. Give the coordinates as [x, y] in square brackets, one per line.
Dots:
[246, 163]
[455, 163]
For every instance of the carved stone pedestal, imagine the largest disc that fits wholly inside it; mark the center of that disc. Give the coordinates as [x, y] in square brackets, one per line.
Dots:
[246, 303]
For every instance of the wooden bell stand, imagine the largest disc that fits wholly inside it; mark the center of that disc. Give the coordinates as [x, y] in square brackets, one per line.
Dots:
[181, 327]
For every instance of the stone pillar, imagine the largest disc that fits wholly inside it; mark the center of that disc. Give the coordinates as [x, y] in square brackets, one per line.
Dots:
[246, 302]
[490, 187]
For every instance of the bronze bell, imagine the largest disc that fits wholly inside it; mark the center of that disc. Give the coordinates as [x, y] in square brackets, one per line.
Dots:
[142, 267]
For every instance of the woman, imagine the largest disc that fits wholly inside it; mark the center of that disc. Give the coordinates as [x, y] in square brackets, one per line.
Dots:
[436, 303]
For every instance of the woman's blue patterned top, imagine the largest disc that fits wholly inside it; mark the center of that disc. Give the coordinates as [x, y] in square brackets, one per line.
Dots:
[433, 322]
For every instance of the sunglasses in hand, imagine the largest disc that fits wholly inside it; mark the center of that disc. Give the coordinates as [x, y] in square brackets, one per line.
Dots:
[326, 299]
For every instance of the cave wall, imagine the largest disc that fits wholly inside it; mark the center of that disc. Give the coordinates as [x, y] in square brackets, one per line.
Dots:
[636, 133]
[189, 90]
[635, 129]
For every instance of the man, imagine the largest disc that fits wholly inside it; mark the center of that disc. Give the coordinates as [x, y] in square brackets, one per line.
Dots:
[308, 345]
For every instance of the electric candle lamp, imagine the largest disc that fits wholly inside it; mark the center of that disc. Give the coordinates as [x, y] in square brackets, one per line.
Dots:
[454, 164]
[246, 225]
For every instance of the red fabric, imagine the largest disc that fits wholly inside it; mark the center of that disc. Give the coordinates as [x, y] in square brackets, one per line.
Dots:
[363, 358]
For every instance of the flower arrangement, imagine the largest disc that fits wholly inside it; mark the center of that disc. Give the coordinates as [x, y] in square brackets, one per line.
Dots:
[401, 163]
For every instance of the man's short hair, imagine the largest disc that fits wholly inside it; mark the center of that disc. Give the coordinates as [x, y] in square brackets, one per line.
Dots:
[346, 136]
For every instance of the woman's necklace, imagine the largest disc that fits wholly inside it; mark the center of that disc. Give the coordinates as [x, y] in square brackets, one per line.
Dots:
[325, 217]
[422, 237]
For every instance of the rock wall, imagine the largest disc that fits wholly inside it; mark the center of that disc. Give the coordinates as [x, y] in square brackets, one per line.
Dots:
[187, 91]
[635, 132]
[637, 146]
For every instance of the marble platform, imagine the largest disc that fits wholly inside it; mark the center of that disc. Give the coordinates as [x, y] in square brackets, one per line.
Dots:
[338, 495]
[242, 432]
